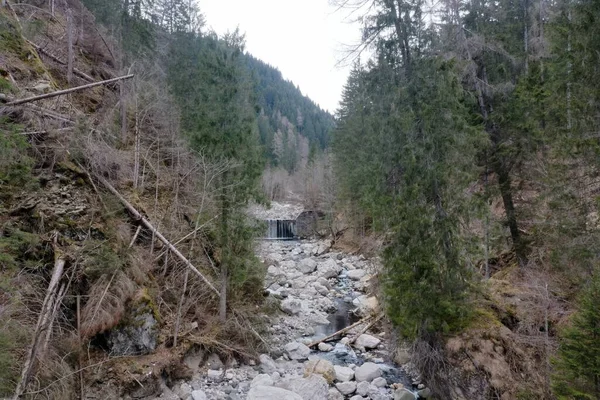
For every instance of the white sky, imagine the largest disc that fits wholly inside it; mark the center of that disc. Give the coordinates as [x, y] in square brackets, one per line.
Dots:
[304, 39]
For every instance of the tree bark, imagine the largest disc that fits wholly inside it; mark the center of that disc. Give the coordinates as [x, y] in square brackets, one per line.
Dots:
[70, 57]
[67, 91]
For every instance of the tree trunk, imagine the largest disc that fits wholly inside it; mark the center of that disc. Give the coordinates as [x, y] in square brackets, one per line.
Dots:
[70, 57]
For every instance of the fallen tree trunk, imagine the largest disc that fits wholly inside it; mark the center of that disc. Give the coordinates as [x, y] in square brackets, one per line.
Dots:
[51, 56]
[43, 320]
[67, 91]
[160, 237]
[346, 329]
[366, 328]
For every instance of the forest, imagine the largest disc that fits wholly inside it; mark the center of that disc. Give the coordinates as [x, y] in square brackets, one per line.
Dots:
[457, 185]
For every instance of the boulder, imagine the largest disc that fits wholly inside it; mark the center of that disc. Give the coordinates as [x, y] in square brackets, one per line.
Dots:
[356, 274]
[291, 306]
[367, 372]
[269, 392]
[343, 374]
[267, 365]
[334, 394]
[346, 388]
[325, 346]
[297, 351]
[322, 290]
[379, 382]
[328, 269]
[214, 375]
[138, 336]
[275, 258]
[199, 395]
[262, 380]
[307, 265]
[214, 362]
[366, 305]
[425, 393]
[365, 341]
[288, 265]
[403, 394]
[320, 367]
[362, 388]
[313, 387]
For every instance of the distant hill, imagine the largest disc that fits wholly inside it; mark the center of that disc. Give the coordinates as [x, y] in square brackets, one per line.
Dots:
[292, 127]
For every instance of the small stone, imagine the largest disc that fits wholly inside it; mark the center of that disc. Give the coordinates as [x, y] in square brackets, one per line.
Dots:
[291, 306]
[425, 393]
[214, 362]
[379, 382]
[267, 365]
[214, 375]
[420, 386]
[356, 274]
[325, 346]
[346, 388]
[343, 374]
[357, 397]
[334, 394]
[403, 394]
[362, 388]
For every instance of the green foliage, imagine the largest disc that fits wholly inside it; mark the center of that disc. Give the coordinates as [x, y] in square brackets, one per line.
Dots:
[12, 337]
[17, 247]
[577, 374]
[15, 164]
[99, 258]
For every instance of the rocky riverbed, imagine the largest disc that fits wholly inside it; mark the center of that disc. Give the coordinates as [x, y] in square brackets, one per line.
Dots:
[318, 292]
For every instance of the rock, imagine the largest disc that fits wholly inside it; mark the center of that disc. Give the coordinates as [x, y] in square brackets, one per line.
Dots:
[320, 367]
[425, 393]
[367, 372]
[346, 388]
[193, 359]
[140, 334]
[275, 258]
[366, 305]
[356, 274]
[325, 346]
[334, 394]
[379, 382]
[307, 266]
[199, 395]
[262, 380]
[267, 365]
[214, 362]
[322, 290]
[357, 397]
[183, 391]
[269, 392]
[328, 269]
[288, 265]
[313, 387]
[291, 306]
[365, 341]
[403, 394]
[343, 374]
[214, 375]
[297, 351]
[362, 388]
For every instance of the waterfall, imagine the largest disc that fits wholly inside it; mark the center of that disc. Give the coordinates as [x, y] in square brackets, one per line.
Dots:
[282, 229]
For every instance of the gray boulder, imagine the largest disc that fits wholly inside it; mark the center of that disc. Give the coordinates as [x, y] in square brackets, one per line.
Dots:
[362, 388]
[365, 341]
[346, 388]
[403, 394]
[267, 365]
[307, 265]
[198, 395]
[270, 392]
[329, 269]
[262, 380]
[313, 387]
[367, 372]
[138, 337]
[356, 274]
[291, 306]
[343, 374]
[297, 351]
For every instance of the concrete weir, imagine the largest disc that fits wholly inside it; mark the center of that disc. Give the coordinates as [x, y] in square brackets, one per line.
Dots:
[281, 229]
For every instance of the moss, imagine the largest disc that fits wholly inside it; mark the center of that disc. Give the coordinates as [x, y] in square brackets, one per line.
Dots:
[147, 299]
[99, 258]
[10, 37]
[484, 318]
[17, 246]
[5, 85]
[11, 335]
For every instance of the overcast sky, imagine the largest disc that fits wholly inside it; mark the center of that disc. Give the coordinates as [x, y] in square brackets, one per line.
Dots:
[304, 39]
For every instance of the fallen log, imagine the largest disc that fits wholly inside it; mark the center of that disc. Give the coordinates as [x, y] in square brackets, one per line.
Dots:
[155, 231]
[51, 56]
[43, 319]
[366, 328]
[341, 331]
[67, 91]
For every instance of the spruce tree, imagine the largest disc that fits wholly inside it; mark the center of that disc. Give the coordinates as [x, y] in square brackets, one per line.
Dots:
[577, 374]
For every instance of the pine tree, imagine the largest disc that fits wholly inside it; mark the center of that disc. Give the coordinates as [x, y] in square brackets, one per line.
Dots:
[577, 374]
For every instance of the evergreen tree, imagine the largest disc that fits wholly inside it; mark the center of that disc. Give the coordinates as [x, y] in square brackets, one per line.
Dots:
[577, 374]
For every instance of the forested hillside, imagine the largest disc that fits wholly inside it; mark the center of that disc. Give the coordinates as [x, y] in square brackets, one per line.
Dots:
[470, 141]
